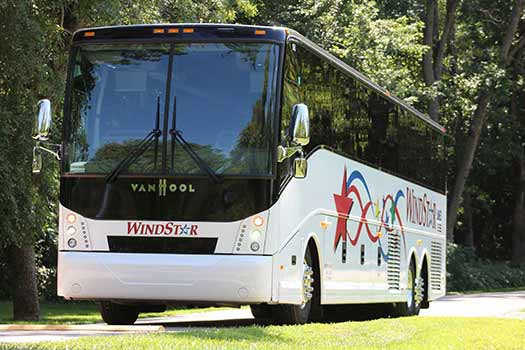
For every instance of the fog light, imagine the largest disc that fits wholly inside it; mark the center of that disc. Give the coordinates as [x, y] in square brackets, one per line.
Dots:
[71, 218]
[255, 246]
[71, 230]
[72, 243]
[255, 235]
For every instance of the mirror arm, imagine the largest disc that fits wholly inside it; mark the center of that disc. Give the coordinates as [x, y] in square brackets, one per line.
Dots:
[56, 153]
[284, 153]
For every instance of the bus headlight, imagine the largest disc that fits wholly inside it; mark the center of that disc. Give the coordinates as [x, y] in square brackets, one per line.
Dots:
[72, 243]
[71, 230]
[255, 235]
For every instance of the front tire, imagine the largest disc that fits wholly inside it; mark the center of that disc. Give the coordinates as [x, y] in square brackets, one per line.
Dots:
[300, 314]
[262, 312]
[117, 314]
[412, 306]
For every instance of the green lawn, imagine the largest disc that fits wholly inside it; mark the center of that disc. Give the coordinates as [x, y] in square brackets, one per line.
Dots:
[405, 333]
[79, 313]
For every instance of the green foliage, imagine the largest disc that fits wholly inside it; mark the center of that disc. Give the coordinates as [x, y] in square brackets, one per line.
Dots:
[467, 272]
[380, 38]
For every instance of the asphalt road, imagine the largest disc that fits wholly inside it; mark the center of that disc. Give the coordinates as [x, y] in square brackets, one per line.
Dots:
[505, 305]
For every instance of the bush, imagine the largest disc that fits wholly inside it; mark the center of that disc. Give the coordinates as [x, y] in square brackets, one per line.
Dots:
[467, 272]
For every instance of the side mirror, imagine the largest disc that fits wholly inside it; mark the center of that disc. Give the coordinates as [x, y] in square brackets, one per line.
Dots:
[42, 121]
[300, 125]
[300, 165]
[37, 160]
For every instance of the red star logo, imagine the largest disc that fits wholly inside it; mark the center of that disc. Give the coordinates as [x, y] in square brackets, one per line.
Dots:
[343, 205]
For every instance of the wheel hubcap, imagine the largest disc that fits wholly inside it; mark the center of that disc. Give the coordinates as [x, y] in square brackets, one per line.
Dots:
[410, 288]
[420, 290]
[308, 283]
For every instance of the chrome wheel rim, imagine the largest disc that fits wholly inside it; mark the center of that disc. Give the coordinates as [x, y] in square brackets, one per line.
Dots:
[308, 283]
[410, 288]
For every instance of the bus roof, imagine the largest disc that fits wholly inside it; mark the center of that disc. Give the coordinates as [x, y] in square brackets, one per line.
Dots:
[212, 31]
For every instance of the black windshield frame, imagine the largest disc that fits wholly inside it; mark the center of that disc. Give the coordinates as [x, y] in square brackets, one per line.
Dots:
[275, 111]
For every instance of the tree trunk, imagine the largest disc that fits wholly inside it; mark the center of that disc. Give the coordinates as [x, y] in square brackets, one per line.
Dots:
[518, 232]
[24, 283]
[469, 238]
[433, 58]
[471, 143]
[478, 121]
[517, 12]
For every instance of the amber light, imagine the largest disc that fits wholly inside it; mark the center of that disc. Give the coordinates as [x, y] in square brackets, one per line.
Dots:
[260, 32]
[158, 31]
[188, 30]
[173, 30]
[89, 34]
[258, 221]
[71, 218]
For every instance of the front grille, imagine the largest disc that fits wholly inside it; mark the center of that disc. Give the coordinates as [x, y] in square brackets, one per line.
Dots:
[394, 259]
[161, 245]
[436, 256]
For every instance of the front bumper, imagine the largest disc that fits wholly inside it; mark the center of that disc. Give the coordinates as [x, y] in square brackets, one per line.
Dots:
[165, 277]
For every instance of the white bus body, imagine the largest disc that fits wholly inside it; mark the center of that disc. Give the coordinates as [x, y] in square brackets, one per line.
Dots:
[364, 228]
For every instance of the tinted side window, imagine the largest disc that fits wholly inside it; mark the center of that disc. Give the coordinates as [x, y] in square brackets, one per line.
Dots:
[316, 92]
[353, 119]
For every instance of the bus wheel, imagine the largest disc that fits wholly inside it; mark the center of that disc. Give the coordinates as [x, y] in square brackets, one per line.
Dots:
[262, 311]
[115, 314]
[412, 305]
[300, 314]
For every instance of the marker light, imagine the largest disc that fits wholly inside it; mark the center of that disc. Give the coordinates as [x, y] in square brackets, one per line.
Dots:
[188, 30]
[173, 30]
[255, 235]
[254, 246]
[260, 32]
[71, 218]
[89, 34]
[158, 31]
[258, 221]
[72, 243]
[71, 230]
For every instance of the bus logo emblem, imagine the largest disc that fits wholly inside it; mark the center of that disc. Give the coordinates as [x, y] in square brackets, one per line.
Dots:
[162, 187]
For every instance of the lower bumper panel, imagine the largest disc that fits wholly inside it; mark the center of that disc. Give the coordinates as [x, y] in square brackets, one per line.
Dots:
[178, 277]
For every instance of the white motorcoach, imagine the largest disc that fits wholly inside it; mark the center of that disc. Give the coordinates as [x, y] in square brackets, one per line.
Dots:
[241, 165]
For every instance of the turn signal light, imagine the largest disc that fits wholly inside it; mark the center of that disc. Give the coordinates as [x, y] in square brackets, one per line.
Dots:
[71, 218]
[258, 221]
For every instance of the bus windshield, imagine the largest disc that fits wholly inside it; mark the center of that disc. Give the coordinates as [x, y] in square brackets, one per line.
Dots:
[220, 97]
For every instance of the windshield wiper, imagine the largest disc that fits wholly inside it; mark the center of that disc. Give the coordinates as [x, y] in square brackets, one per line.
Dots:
[140, 148]
[177, 135]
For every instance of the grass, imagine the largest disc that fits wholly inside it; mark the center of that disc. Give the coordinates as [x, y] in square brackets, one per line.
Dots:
[404, 333]
[488, 290]
[80, 313]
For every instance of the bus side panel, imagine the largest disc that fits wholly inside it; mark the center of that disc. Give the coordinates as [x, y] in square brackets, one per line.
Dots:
[369, 225]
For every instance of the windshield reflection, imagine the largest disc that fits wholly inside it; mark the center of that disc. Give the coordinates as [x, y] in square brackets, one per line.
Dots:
[225, 103]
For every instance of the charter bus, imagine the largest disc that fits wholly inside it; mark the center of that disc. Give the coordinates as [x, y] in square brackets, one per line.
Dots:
[221, 164]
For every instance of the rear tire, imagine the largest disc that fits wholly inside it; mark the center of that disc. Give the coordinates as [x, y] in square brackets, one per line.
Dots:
[117, 314]
[300, 314]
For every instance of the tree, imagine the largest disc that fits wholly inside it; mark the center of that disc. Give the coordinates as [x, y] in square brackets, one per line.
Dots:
[495, 68]
[434, 57]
